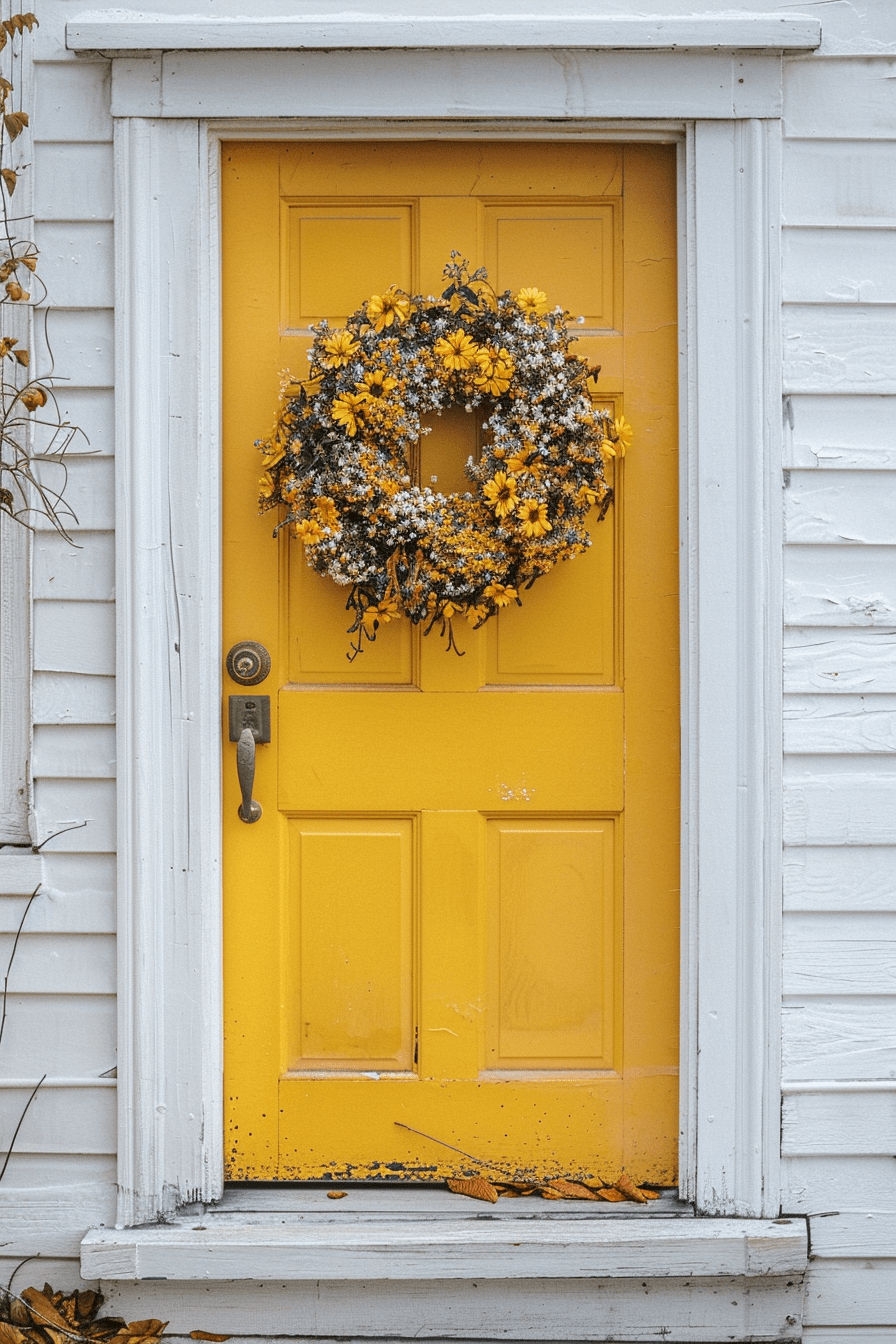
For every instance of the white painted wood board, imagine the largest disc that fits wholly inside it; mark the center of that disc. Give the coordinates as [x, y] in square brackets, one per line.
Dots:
[860, 109]
[64, 963]
[839, 265]
[839, 348]
[72, 101]
[72, 181]
[842, 724]
[820, 1184]
[82, 341]
[843, 585]
[694, 1310]
[844, 1039]
[77, 262]
[72, 697]
[92, 409]
[567, 30]
[79, 1119]
[374, 1202]
[74, 637]
[855, 1236]
[89, 492]
[72, 1034]
[84, 574]
[851, 953]
[36, 1171]
[449, 83]
[849, 1295]
[838, 1334]
[60, 912]
[55, 1269]
[62, 803]
[839, 661]
[51, 1222]
[78, 874]
[840, 183]
[826, 877]
[840, 508]
[842, 432]
[20, 873]
[838, 1123]
[74, 751]
[843, 808]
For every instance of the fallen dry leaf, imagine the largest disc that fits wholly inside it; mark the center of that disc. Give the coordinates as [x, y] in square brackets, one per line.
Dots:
[568, 1190]
[477, 1187]
[626, 1186]
[331, 1194]
[10, 1334]
[610, 1194]
[42, 1310]
[204, 1334]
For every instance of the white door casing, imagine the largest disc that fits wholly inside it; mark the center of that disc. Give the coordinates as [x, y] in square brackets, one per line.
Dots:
[722, 106]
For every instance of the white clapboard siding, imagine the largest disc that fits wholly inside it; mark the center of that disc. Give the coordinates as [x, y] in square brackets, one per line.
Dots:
[63, 803]
[839, 661]
[839, 99]
[843, 953]
[74, 637]
[53, 1270]
[59, 912]
[842, 585]
[839, 265]
[63, 1036]
[840, 508]
[862, 1334]
[839, 1123]
[72, 101]
[842, 432]
[523, 1309]
[77, 874]
[850, 1295]
[85, 572]
[826, 724]
[66, 963]
[77, 263]
[74, 751]
[839, 348]
[92, 410]
[840, 183]
[812, 1185]
[843, 807]
[843, 1039]
[72, 181]
[89, 487]
[30, 1171]
[52, 1221]
[70, 697]
[827, 877]
[70, 1119]
[83, 344]
[854, 1236]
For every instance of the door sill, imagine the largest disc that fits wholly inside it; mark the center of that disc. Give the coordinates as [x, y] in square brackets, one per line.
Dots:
[290, 1234]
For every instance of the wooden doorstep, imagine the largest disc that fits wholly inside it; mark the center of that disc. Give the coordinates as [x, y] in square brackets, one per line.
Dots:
[286, 1247]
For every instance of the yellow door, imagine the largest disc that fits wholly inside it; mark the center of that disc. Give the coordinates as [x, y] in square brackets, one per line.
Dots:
[459, 910]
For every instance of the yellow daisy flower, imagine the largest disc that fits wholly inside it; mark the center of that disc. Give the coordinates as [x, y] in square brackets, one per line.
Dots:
[329, 514]
[348, 411]
[532, 301]
[273, 453]
[520, 467]
[477, 613]
[377, 383]
[340, 349]
[457, 350]
[624, 436]
[267, 486]
[384, 309]
[495, 370]
[380, 614]
[308, 531]
[534, 518]
[500, 492]
[501, 594]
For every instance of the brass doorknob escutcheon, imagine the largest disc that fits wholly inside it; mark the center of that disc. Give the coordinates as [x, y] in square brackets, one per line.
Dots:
[248, 662]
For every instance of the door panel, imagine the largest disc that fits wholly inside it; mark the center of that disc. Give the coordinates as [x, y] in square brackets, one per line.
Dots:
[459, 909]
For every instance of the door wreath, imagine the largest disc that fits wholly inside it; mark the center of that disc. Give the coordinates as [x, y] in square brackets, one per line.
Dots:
[339, 458]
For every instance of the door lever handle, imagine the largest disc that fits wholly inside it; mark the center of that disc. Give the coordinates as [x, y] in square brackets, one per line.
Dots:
[250, 722]
[248, 809]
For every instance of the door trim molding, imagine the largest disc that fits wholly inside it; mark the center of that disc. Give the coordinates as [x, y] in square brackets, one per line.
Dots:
[169, 654]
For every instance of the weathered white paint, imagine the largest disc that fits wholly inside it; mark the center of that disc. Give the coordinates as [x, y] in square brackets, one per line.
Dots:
[85, 574]
[819, 1184]
[828, 877]
[50, 1221]
[843, 585]
[853, 1236]
[74, 637]
[843, 724]
[862, 109]
[838, 508]
[77, 262]
[839, 1038]
[847, 807]
[828, 182]
[839, 662]
[848, 1295]
[839, 265]
[72, 698]
[842, 432]
[839, 348]
[75, 1119]
[839, 1123]
[72, 181]
[89, 491]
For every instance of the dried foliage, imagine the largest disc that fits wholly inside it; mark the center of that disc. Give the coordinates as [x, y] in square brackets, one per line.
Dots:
[54, 1318]
[479, 1187]
[34, 437]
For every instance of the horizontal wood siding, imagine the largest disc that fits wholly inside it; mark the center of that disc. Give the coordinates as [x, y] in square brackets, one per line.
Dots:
[839, 1043]
[61, 1011]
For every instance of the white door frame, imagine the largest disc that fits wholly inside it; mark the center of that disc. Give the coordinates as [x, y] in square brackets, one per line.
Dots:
[168, 399]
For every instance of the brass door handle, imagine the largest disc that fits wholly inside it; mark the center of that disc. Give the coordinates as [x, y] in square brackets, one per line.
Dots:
[248, 809]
